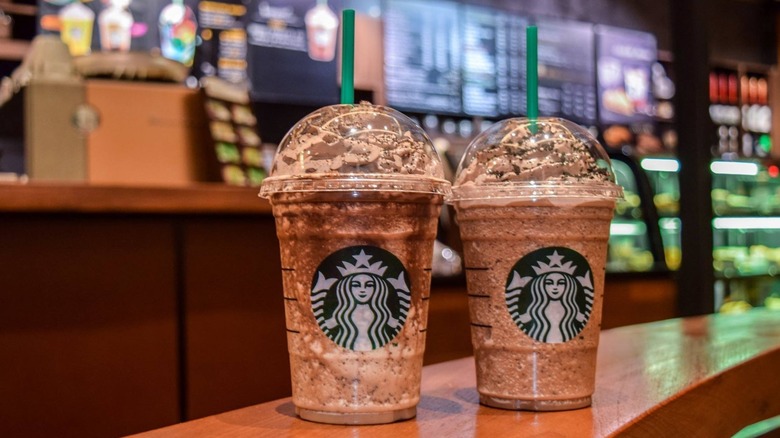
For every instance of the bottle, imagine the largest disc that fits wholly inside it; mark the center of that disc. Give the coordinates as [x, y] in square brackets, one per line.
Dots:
[321, 29]
[178, 29]
[115, 23]
[76, 28]
[723, 89]
[713, 88]
[733, 95]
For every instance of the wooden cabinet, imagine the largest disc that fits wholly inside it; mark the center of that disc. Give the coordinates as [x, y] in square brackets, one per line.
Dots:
[87, 326]
[123, 310]
[236, 343]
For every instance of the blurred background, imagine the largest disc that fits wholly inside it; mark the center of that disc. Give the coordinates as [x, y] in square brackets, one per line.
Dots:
[140, 283]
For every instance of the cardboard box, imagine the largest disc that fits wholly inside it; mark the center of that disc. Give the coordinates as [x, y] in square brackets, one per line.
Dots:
[147, 133]
[116, 132]
[54, 147]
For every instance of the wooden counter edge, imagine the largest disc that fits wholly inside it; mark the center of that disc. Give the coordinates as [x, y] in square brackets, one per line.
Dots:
[706, 410]
[86, 198]
[717, 403]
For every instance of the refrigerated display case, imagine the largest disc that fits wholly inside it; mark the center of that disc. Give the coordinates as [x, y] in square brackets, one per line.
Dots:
[746, 239]
[639, 287]
[665, 183]
[746, 227]
[634, 243]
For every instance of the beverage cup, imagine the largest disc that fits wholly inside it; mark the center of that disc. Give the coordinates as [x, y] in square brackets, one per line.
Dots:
[178, 32]
[77, 21]
[534, 201]
[356, 191]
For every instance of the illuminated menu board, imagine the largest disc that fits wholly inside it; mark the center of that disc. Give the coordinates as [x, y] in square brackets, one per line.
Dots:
[493, 62]
[223, 47]
[292, 48]
[567, 77]
[422, 56]
[443, 57]
[625, 60]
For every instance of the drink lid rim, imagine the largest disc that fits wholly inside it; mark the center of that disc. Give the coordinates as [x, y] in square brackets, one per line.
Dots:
[535, 190]
[354, 183]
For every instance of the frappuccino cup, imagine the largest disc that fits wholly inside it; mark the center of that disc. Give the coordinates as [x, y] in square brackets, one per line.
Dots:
[356, 191]
[534, 201]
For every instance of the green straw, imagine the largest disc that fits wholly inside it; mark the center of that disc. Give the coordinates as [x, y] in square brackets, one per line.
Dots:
[348, 56]
[532, 75]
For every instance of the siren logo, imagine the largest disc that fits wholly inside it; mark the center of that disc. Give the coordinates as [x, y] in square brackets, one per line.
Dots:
[549, 293]
[360, 297]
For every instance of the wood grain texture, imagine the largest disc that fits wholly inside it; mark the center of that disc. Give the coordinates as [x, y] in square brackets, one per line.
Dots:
[91, 198]
[701, 376]
[235, 325]
[637, 300]
[87, 327]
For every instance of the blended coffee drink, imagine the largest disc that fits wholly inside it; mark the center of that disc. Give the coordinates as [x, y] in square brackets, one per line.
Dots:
[534, 201]
[356, 191]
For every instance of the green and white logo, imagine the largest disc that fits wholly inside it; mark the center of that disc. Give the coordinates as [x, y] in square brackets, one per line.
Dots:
[549, 294]
[360, 297]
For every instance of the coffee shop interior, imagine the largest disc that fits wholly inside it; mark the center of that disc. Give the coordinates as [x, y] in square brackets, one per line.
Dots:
[140, 281]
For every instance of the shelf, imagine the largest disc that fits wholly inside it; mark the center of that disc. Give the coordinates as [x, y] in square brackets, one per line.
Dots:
[105, 199]
[627, 227]
[745, 276]
[13, 50]
[726, 222]
[12, 8]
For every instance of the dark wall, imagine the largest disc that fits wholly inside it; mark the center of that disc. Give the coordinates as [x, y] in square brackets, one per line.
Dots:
[743, 31]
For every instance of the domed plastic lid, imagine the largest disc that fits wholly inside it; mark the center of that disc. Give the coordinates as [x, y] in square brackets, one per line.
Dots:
[547, 158]
[356, 148]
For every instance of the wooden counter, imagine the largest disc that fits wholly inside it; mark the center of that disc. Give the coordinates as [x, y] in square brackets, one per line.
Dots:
[148, 306]
[85, 198]
[703, 376]
[138, 305]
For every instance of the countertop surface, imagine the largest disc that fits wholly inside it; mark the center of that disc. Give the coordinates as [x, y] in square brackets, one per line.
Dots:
[90, 198]
[701, 376]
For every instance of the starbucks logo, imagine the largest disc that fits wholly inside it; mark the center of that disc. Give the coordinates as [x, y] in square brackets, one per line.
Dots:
[360, 297]
[549, 293]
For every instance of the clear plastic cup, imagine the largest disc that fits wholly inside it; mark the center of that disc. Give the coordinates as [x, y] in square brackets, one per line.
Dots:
[534, 201]
[77, 21]
[356, 191]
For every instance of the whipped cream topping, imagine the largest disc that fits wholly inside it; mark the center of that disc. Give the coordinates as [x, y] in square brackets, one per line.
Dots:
[356, 139]
[512, 151]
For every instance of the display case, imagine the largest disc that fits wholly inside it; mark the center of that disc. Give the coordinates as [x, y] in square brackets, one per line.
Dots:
[746, 227]
[634, 243]
[746, 239]
[662, 175]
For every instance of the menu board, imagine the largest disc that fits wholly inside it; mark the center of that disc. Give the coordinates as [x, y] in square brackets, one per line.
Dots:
[223, 47]
[123, 26]
[567, 83]
[625, 60]
[422, 56]
[233, 128]
[493, 62]
[292, 50]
